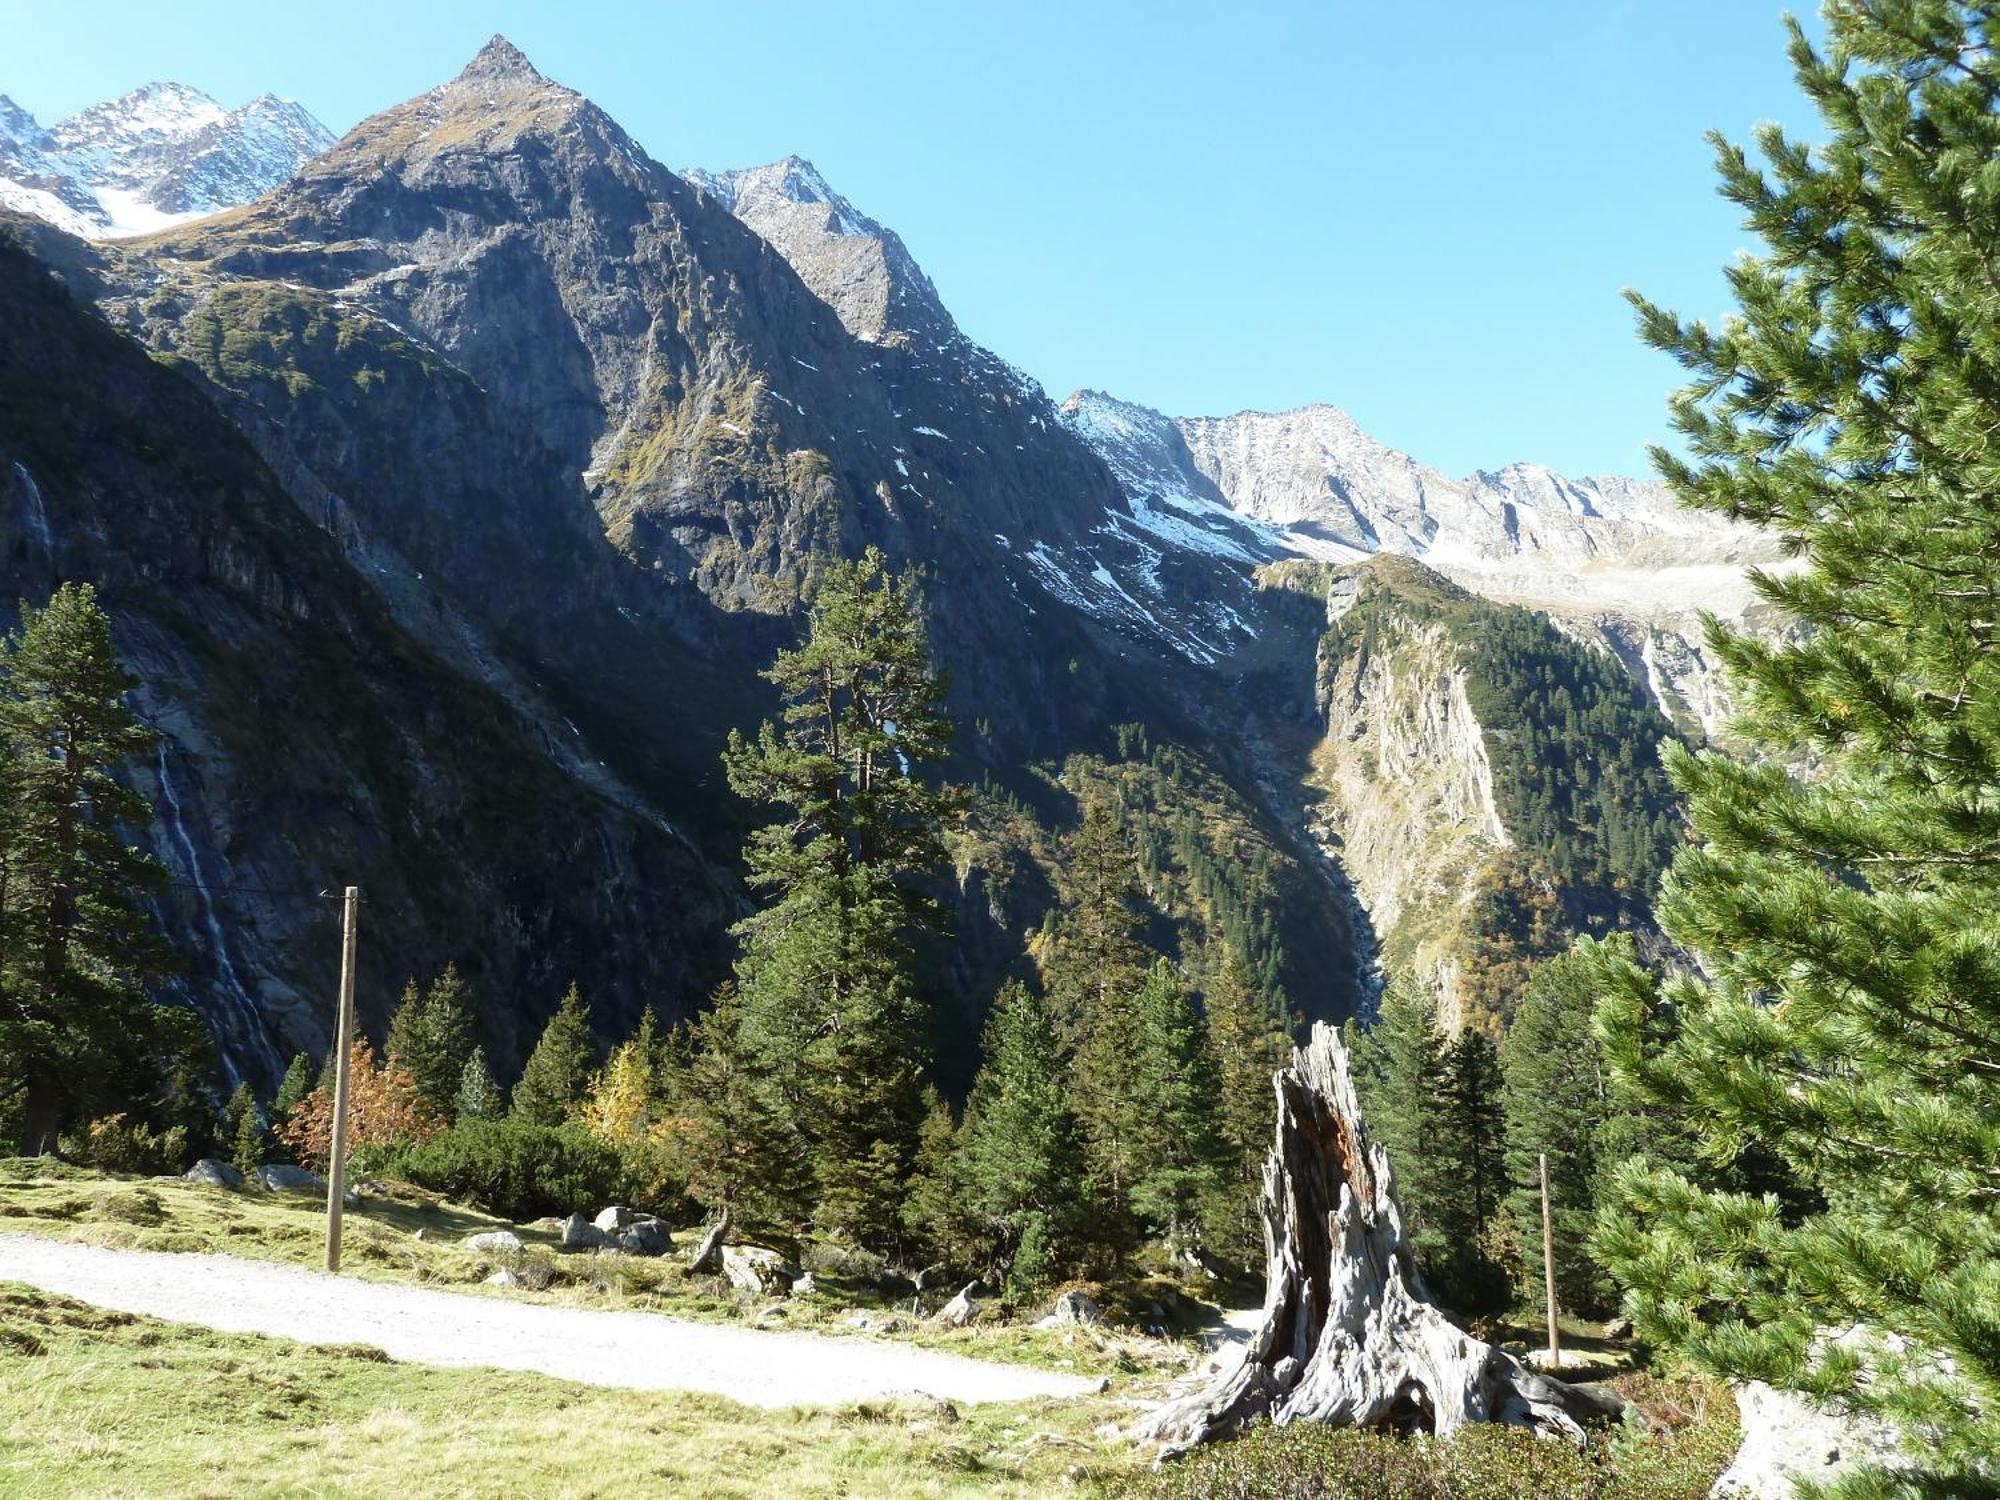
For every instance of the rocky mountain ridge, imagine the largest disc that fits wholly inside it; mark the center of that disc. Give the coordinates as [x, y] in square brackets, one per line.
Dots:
[158, 156]
[574, 430]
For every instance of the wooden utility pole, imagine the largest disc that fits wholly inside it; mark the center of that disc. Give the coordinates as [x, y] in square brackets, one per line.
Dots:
[1549, 1266]
[343, 1043]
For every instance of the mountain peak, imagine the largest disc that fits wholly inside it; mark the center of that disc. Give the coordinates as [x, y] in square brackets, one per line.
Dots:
[500, 61]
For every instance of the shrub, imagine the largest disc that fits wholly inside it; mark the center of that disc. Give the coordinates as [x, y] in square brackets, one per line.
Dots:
[517, 1170]
[384, 1110]
[112, 1144]
[1310, 1462]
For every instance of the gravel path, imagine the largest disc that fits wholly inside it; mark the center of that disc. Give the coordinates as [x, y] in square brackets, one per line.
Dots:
[633, 1349]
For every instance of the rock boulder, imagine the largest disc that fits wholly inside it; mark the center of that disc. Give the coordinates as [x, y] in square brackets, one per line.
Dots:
[215, 1173]
[281, 1177]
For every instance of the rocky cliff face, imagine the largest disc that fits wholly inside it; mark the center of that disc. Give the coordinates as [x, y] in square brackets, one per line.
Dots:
[154, 157]
[559, 435]
[1434, 770]
[1614, 559]
[307, 740]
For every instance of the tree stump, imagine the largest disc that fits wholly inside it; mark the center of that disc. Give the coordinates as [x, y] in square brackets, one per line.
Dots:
[1348, 1337]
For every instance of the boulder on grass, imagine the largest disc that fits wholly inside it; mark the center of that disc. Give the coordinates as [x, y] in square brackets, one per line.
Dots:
[1073, 1309]
[961, 1311]
[647, 1237]
[752, 1268]
[494, 1242]
[614, 1220]
[578, 1233]
[215, 1173]
[282, 1177]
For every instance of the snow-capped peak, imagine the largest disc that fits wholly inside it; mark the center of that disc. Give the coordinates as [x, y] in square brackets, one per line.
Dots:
[162, 154]
[854, 264]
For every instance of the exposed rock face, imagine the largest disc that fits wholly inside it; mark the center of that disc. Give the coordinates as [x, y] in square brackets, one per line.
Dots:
[1611, 558]
[280, 1177]
[309, 740]
[853, 264]
[1787, 1439]
[155, 157]
[214, 1173]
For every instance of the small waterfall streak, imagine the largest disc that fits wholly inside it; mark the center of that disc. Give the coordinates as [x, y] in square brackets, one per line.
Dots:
[242, 1029]
[38, 514]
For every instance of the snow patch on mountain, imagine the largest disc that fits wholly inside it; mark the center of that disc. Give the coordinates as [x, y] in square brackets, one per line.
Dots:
[158, 156]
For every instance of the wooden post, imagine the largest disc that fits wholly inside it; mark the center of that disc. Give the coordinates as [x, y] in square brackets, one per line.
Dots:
[1549, 1266]
[343, 1043]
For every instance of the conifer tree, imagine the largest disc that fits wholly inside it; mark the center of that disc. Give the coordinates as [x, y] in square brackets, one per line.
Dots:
[1400, 1074]
[1848, 924]
[478, 1095]
[249, 1142]
[431, 1036]
[1559, 1101]
[1176, 1127]
[1470, 1184]
[1250, 1045]
[619, 1103]
[1021, 1149]
[736, 1148]
[76, 947]
[1096, 969]
[937, 1210]
[558, 1071]
[827, 1003]
[299, 1081]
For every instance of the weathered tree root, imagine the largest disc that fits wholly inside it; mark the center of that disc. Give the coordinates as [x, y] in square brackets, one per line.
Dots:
[1347, 1339]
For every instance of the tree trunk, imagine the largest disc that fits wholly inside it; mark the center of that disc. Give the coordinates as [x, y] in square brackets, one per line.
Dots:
[1348, 1338]
[708, 1254]
[41, 1116]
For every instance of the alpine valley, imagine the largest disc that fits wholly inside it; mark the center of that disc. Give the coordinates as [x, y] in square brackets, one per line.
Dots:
[450, 486]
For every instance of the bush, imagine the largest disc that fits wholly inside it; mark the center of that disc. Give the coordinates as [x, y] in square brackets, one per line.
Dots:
[114, 1145]
[1310, 1462]
[516, 1170]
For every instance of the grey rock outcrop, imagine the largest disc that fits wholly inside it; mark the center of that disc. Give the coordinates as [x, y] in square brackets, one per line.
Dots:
[962, 1311]
[282, 1177]
[1787, 1438]
[215, 1173]
[754, 1269]
[578, 1233]
[494, 1242]
[646, 1237]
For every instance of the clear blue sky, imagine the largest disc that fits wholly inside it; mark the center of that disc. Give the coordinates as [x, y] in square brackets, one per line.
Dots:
[1422, 213]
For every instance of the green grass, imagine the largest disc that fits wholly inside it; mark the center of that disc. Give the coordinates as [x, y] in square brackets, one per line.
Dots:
[102, 1403]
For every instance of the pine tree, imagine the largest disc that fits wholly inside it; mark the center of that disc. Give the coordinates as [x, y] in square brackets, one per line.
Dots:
[828, 1007]
[1471, 1145]
[478, 1095]
[431, 1036]
[1176, 1127]
[249, 1142]
[937, 1209]
[241, 1102]
[1400, 1075]
[1096, 969]
[736, 1149]
[76, 947]
[1558, 1101]
[1847, 924]
[559, 1069]
[1021, 1152]
[299, 1081]
[1250, 1045]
